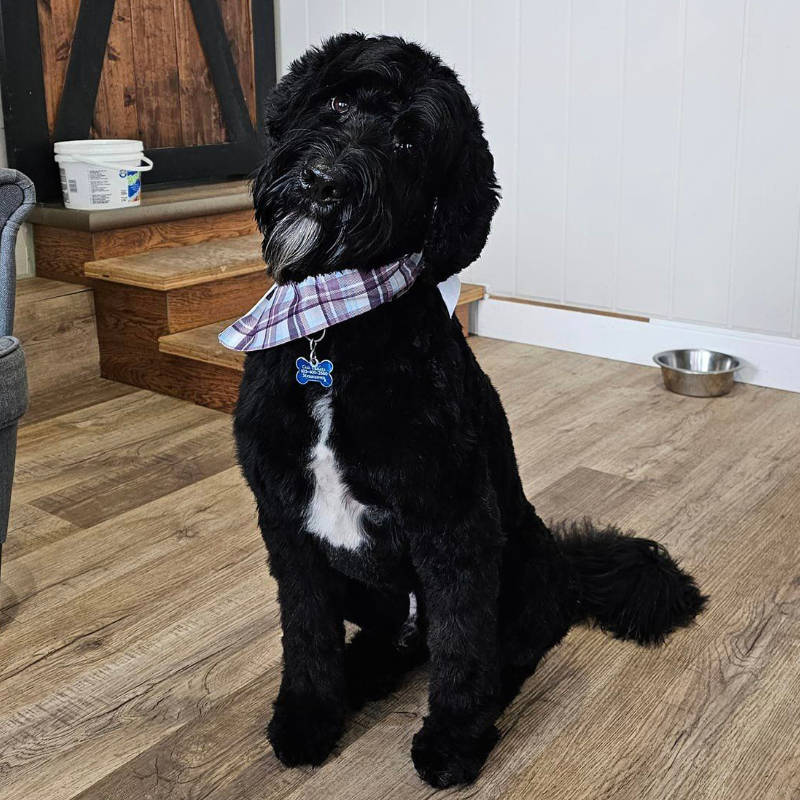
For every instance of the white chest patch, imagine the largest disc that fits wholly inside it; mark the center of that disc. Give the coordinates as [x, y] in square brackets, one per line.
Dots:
[333, 514]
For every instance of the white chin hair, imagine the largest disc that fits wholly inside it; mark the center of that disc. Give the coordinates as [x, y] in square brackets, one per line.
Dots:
[292, 238]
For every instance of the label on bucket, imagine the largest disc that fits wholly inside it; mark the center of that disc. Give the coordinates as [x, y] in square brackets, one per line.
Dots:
[67, 185]
[100, 186]
[134, 185]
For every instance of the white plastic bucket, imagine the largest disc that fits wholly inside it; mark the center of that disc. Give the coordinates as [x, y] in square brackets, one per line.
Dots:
[101, 173]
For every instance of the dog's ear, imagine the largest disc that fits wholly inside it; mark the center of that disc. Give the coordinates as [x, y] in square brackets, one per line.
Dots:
[467, 192]
[306, 75]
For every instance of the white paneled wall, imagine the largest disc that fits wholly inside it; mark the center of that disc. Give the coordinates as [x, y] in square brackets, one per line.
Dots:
[650, 125]
[648, 150]
[596, 61]
[708, 137]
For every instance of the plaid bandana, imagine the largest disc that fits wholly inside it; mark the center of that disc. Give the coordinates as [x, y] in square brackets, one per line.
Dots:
[292, 310]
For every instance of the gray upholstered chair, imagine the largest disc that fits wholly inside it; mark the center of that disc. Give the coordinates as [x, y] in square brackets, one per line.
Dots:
[17, 196]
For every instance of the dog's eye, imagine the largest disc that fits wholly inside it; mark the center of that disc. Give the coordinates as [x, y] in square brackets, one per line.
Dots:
[340, 105]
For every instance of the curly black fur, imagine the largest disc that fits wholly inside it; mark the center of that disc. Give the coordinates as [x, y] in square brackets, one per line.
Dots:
[375, 150]
[629, 587]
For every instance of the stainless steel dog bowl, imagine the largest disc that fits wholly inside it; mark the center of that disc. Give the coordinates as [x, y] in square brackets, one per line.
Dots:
[698, 373]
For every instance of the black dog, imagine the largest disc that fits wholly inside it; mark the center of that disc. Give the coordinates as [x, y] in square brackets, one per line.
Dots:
[425, 539]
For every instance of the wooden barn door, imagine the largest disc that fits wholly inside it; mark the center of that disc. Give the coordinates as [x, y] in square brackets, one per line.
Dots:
[187, 77]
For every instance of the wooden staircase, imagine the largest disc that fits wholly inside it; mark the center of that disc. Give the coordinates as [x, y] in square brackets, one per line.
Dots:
[161, 304]
[65, 239]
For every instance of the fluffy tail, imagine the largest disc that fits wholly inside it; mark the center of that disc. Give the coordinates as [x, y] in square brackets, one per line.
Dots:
[629, 587]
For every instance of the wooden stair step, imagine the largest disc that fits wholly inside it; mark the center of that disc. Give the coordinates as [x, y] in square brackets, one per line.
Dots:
[65, 239]
[157, 206]
[55, 321]
[144, 296]
[470, 293]
[178, 267]
[201, 344]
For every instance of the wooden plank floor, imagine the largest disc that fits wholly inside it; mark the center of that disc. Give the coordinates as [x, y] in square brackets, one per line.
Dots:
[139, 641]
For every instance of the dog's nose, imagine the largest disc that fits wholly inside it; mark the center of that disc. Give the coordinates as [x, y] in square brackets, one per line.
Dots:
[322, 183]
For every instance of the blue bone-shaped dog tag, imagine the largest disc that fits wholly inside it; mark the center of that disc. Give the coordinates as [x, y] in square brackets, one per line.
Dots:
[319, 372]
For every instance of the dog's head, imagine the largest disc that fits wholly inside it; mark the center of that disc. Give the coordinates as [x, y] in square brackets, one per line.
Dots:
[374, 150]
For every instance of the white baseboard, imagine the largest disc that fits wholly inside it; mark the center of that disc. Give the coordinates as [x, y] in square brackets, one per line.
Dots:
[772, 361]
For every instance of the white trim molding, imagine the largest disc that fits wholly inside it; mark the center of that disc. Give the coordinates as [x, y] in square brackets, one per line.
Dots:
[772, 361]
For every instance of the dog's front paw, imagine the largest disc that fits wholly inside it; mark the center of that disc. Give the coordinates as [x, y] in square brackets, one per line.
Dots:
[443, 760]
[303, 730]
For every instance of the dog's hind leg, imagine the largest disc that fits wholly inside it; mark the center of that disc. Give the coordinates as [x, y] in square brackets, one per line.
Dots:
[628, 586]
[536, 601]
[388, 645]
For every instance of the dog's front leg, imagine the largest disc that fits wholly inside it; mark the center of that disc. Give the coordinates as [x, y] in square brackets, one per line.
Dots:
[458, 568]
[309, 711]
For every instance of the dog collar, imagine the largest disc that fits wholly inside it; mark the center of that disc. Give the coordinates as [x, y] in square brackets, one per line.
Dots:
[292, 310]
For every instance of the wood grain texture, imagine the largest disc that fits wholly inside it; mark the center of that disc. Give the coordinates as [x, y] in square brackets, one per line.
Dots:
[153, 61]
[33, 528]
[470, 292]
[176, 267]
[72, 395]
[205, 384]
[56, 27]
[156, 67]
[173, 233]
[130, 321]
[116, 114]
[202, 345]
[201, 117]
[61, 253]
[192, 306]
[55, 322]
[157, 471]
[93, 441]
[237, 19]
[139, 654]
[129, 318]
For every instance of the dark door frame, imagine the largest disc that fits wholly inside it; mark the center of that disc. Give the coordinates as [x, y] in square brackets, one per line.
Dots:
[28, 143]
